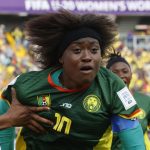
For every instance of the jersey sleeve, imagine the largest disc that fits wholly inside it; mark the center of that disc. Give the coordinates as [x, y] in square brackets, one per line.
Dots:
[130, 138]
[6, 94]
[123, 103]
[4, 106]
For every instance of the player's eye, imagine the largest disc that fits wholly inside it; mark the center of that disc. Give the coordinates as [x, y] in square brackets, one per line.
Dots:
[76, 50]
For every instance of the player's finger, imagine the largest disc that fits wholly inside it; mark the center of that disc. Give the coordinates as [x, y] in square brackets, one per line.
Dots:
[42, 120]
[36, 126]
[14, 97]
[33, 128]
[38, 109]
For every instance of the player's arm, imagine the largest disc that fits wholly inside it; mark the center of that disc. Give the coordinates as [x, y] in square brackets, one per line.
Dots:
[20, 115]
[129, 132]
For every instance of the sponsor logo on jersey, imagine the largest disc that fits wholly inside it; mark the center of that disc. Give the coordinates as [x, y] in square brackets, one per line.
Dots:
[126, 98]
[92, 103]
[142, 114]
[66, 105]
[44, 100]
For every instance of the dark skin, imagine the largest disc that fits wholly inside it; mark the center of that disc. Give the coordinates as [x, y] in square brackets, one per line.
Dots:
[85, 56]
[20, 115]
[123, 71]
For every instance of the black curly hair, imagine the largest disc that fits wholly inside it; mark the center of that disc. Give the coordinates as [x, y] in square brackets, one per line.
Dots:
[114, 58]
[47, 31]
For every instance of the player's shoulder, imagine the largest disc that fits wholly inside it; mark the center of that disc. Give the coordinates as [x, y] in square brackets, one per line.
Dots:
[33, 75]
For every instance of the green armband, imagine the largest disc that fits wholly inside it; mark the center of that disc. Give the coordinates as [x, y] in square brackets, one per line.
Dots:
[132, 139]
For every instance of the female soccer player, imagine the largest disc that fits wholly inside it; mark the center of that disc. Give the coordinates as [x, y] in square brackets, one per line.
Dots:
[84, 98]
[121, 67]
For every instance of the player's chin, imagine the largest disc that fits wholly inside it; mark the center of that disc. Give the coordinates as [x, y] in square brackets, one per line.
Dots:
[87, 80]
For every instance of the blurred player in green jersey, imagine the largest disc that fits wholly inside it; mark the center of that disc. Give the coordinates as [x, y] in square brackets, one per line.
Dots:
[7, 136]
[85, 99]
[121, 67]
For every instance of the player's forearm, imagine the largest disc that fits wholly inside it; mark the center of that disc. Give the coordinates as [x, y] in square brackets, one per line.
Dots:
[4, 122]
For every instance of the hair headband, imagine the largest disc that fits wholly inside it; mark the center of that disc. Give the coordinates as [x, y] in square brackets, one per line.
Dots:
[75, 35]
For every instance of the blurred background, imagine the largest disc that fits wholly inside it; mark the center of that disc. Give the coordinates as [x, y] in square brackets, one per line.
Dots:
[132, 17]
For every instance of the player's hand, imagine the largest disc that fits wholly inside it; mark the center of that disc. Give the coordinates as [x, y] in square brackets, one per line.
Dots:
[21, 115]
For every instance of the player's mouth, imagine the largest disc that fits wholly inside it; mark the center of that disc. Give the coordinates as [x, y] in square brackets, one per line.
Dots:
[86, 69]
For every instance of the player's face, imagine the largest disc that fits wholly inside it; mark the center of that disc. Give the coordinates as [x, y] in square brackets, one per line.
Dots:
[123, 71]
[81, 61]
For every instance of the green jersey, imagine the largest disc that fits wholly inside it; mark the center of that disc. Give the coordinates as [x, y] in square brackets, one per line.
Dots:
[7, 136]
[143, 102]
[80, 116]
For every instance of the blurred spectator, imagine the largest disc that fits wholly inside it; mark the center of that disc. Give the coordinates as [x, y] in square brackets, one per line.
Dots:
[139, 61]
[14, 56]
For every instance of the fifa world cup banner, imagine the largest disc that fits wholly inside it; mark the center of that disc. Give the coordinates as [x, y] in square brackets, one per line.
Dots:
[82, 6]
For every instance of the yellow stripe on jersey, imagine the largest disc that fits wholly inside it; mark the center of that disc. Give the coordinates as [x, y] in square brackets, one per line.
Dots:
[133, 115]
[147, 141]
[20, 143]
[106, 141]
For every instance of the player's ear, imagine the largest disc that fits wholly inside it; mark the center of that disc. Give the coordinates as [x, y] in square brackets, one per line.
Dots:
[61, 60]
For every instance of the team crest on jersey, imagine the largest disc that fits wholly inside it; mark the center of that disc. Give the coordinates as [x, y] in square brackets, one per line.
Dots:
[142, 114]
[44, 100]
[91, 103]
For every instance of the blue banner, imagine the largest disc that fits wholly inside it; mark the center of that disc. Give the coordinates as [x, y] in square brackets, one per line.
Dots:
[82, 6]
